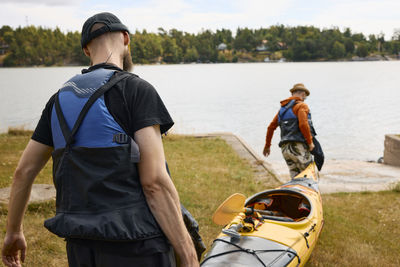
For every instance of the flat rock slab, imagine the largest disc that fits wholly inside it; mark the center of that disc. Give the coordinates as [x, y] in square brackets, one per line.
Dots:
[336, 175]
[349, 175]
[40, 193]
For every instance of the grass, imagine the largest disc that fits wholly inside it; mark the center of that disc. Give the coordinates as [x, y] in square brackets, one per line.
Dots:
[396, 188]
[44, 248]
[12, 145]
[205, 172]
[361, 229]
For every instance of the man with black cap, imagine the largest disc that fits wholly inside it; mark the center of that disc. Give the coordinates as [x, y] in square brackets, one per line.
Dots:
[297, 131]
[116, 204]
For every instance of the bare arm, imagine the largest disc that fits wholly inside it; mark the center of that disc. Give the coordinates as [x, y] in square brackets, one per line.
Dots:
[270, 132]
[32, 161]
[161, 194]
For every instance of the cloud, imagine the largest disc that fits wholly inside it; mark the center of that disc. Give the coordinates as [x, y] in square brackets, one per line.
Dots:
[187, 16]
[44, 2]
[364, 16]
[64, 17]
[368, 17]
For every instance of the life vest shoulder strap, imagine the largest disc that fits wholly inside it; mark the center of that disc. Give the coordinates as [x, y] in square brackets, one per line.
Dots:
[69, 134]
[288, 106]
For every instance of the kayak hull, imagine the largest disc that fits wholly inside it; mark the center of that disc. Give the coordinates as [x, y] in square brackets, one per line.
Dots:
[286, 238]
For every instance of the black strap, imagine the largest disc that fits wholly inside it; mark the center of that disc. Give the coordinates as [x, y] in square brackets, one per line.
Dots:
[61, 119]
[287, 107]
[250, 251]
[69, 134]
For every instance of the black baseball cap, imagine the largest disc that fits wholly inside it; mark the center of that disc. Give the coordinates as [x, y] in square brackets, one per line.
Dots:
[111, 24]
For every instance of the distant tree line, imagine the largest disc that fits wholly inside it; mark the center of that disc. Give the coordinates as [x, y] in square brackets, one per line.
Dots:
[30, 46]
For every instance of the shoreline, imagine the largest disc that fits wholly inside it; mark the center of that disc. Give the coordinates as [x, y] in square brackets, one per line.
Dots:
[336, 176]
[385, 58]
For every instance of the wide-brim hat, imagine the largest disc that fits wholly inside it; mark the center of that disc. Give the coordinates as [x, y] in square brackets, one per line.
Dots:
[300, 87]
[111, 24]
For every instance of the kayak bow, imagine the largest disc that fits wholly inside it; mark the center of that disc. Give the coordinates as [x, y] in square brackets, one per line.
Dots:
[278, 227]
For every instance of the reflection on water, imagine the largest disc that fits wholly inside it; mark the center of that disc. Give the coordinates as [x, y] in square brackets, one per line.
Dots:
[354, 104]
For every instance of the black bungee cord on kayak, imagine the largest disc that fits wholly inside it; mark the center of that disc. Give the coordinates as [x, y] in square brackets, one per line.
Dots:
[305, 235]
[250, 251]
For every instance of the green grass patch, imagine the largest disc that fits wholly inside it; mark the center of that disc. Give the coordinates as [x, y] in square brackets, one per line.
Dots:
[44, 248]
[361, 229]
[12, 145]
[396, 188]
[206, 171]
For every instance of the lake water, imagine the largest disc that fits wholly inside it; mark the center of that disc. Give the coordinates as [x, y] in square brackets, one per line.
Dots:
[354, 104]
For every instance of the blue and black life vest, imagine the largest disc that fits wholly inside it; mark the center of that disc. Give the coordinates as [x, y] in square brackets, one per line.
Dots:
[289, 124]
[99, 195]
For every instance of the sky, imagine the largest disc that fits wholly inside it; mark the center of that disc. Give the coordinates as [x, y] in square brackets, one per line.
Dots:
[361, 16]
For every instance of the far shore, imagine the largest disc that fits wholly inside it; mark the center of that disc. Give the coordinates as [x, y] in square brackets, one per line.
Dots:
[354, 59]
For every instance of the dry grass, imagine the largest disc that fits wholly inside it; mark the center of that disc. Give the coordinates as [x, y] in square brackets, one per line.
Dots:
[361, 229]
[396, 188]
[206, 171]
[44, 248]
[11, 147]
[19, 131]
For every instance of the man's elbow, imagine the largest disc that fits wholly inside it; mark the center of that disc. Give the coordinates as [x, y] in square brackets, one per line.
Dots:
[152, 185]
[23, 173]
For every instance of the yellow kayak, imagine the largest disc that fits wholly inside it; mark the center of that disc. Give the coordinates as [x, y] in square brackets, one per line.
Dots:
[278, 227]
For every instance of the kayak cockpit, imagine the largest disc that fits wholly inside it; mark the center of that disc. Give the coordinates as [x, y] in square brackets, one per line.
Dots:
[280, 205]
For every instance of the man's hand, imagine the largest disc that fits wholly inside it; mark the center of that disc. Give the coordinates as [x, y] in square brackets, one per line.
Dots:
[161, 194]
[32, 161]
[311, 147]
[13, 244]
[266, 151]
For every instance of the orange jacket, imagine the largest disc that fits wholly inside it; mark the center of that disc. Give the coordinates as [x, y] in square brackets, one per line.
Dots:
[301, 110]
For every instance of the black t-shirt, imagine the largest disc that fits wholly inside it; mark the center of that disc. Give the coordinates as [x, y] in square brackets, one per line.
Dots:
[133, 102]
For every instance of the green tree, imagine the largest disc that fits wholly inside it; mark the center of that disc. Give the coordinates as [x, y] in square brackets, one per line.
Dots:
[224, 36]
[395, 47]
[191, 55]
[349, 45]
[27, 46]
[206, 46]
[396, 34]
[245, 40]
[338, 50]
[362, 50]
[171, 52]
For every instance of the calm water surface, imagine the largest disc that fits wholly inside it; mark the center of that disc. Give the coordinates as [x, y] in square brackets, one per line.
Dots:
[354, 104]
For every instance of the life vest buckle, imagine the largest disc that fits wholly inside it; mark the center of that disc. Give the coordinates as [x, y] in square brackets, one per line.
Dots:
[121, 138]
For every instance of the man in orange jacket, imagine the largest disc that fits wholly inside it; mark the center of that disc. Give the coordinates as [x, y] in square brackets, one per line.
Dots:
[297, 131]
